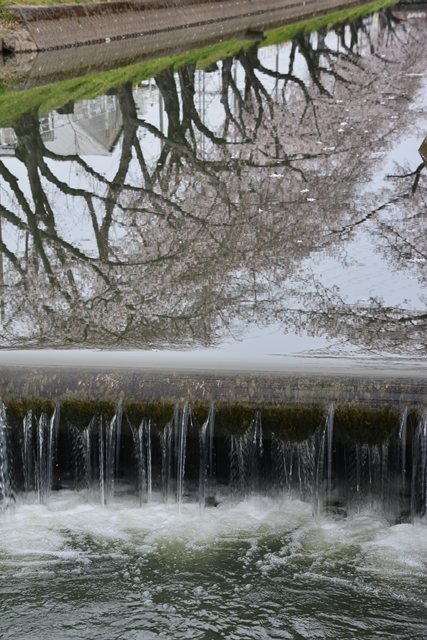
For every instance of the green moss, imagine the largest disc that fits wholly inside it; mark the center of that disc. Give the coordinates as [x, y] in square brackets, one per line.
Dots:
[234, 419]
[291, 421]
[13, 104]
[20, 406]
[370, 425]
[200, 412]
[294, 422]
[80, 413]
[160, 413]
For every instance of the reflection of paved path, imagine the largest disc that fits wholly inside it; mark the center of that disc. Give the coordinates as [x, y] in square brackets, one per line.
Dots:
[163, 24]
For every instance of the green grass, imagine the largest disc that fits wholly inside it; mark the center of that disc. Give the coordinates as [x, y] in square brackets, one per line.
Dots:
[14, 103]
[315, 24]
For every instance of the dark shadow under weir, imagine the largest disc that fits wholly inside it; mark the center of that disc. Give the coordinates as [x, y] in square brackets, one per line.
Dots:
[341, 459]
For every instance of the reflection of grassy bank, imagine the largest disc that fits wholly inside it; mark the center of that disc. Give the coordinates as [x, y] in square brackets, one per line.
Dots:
[14, 103]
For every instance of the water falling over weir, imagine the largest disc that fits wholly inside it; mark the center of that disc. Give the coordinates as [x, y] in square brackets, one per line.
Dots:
[190, 458]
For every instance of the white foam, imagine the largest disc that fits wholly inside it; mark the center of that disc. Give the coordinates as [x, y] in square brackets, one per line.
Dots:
[69, 528]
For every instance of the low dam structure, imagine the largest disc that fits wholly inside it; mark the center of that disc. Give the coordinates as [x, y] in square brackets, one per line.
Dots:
[318, 439]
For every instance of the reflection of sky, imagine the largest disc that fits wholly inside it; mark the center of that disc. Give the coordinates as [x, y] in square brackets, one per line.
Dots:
[367, 275]
[261, 350]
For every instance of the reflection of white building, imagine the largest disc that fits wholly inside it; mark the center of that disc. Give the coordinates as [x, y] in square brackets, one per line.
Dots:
[7, 141]
[90, 127]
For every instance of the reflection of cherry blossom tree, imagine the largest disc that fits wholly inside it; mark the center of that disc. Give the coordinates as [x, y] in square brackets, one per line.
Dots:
[200, 237]
[400, 224]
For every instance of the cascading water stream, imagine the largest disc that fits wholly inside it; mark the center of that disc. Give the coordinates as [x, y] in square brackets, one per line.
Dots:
[101, 459]
[110, 459]
[182, 450]
[142, 452]
[403, 428]
[27, 451]
[419, 469]
[118, 424]
[185, 462]
[211, 431]
[329, 439]
[6, 492]
[42, 457]
[51, 444]
[166, 440]
[203, 463]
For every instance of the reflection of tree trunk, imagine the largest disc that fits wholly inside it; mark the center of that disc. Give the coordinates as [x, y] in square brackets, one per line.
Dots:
[249, 61]
[165, 82]
[423, 151]
[311, 58]
[127, 107]
[228, 83]
[190, 113]
[29, 150]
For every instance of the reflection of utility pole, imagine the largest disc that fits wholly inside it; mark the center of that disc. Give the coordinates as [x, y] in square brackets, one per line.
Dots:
[277, 73]
[161, 118]
[234, 95]
[199, 91]
[204, 113]
[1, 272]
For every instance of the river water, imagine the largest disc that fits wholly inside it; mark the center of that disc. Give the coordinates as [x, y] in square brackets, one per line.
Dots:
[266, 212]
[261, 568]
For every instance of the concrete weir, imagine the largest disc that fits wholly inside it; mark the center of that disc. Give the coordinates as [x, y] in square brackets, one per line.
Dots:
[365, 406]
[124, 27]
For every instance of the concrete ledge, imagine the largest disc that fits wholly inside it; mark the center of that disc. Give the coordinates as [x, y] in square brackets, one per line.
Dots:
[144, 385]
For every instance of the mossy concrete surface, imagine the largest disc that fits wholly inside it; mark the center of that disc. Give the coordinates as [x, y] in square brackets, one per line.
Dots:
[291, 407]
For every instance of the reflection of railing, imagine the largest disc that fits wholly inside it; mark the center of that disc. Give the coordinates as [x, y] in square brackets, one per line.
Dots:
[87, 109]
[47, 127]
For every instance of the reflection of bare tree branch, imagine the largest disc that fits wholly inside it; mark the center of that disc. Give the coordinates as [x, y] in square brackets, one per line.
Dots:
[415, 174]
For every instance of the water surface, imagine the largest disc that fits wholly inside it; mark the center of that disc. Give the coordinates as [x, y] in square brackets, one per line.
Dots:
[265, 210]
